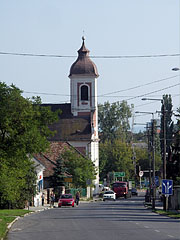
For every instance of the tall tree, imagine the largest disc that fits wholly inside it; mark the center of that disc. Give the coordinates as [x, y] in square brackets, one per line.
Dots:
[23, 131]
[59, 173]
[23, 122]
[166, 126]
[115, 157]
[114, 120]
[80, 167]
[173, 163]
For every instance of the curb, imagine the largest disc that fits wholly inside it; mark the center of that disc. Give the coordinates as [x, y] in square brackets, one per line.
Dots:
[17, 218]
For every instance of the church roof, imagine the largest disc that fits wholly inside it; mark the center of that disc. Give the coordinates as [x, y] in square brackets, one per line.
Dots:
[69, 127]
[83, 65]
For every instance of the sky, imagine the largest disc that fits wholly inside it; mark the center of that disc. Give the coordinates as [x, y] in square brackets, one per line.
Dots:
[134, 44]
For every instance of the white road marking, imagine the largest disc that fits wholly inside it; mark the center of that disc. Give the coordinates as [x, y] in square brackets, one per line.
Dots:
[146, 226]
[137, 223]
[156, 230]
[16, 229]
[170, 236]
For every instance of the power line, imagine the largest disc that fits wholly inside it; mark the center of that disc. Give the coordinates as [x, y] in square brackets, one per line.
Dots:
[159, 90]
[142, 85]
[151, 102]
[103, 95]
[105, 57]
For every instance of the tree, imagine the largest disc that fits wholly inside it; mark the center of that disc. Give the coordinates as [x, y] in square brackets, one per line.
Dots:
[59, 173]
[167, 119]
[23, 131]
[23, 122]
[114, 120]
[17, 181]
[142, 159]
[80, 167]
[173, 163]
[115, 157]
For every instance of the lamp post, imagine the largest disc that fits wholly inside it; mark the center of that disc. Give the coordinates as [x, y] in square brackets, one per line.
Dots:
[153, 159]
[165, 203]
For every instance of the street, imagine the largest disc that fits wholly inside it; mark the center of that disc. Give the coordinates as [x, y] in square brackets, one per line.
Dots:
[124, 219]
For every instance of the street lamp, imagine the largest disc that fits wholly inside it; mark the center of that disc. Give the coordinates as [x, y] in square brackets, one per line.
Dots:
[165, 203]
[175, 69]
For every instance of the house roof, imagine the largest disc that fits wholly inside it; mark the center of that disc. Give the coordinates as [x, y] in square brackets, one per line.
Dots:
[69, 127]
[48, 159]
[83, 65]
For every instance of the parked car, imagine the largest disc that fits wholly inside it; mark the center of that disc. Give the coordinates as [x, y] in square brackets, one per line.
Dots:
[66, 200]
[109, 195]
[134, 191]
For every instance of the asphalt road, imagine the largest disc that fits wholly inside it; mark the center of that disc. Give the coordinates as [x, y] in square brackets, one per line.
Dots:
[124, 219]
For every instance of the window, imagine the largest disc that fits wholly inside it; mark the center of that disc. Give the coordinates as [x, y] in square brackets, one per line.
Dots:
[84, 93]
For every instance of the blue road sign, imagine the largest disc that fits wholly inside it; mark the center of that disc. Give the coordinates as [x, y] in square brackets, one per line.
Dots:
[167, 187]
[157, 181]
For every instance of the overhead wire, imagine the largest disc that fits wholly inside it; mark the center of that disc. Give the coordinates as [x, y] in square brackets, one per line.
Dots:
[104, 95]
[72, 56]
[142, 85]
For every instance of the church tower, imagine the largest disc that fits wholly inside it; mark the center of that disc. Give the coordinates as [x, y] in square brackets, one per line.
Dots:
[83, 90]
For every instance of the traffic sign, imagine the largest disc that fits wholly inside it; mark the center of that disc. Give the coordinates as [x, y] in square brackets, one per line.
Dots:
[67, 179]
[119, 174]
[167, 187]
[141, 173]
[157, 181]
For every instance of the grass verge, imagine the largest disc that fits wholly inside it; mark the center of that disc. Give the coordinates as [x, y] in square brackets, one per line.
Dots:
[169, 213]
[7, 216]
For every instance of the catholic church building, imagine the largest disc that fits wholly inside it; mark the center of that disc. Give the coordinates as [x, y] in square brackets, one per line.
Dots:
[78, 123]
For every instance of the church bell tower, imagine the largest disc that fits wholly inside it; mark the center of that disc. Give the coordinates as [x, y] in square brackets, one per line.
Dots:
[83, 90]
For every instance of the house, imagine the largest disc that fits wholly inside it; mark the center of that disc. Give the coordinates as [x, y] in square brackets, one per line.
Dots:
[39, 168]
[78, 122]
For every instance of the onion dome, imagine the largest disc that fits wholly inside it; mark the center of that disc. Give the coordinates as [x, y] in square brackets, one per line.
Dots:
[83, 65]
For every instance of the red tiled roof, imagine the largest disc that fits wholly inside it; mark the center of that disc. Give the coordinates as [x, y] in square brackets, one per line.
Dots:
[48, 159]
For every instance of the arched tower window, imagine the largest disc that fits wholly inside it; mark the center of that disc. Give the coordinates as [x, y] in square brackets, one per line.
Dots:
[84, 93]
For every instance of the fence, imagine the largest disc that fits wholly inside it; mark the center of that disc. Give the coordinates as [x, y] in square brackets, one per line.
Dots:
[83, 191]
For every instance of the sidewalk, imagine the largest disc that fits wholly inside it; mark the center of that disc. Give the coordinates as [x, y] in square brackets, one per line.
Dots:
[41, 208]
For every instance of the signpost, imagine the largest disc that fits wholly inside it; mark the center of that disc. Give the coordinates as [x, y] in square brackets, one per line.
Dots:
[167, 187]
[141, 173]
[68, 180]
[167, 190]
[119, 174]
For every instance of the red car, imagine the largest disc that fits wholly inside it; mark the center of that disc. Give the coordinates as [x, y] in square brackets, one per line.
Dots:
[66, 200]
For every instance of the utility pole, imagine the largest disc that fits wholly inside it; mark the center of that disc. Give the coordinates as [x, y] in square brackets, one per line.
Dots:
[153, 158]
[165, 199]
[149, 156]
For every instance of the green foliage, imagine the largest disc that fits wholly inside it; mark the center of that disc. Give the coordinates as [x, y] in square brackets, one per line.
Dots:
[167, 118]
[81, 168]
[173, 163]
[115, 157]
[142, 159]
[114, 120]
[23, 122]
[59, 173]
[17, 182]
[140, 137]
[23, 130]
